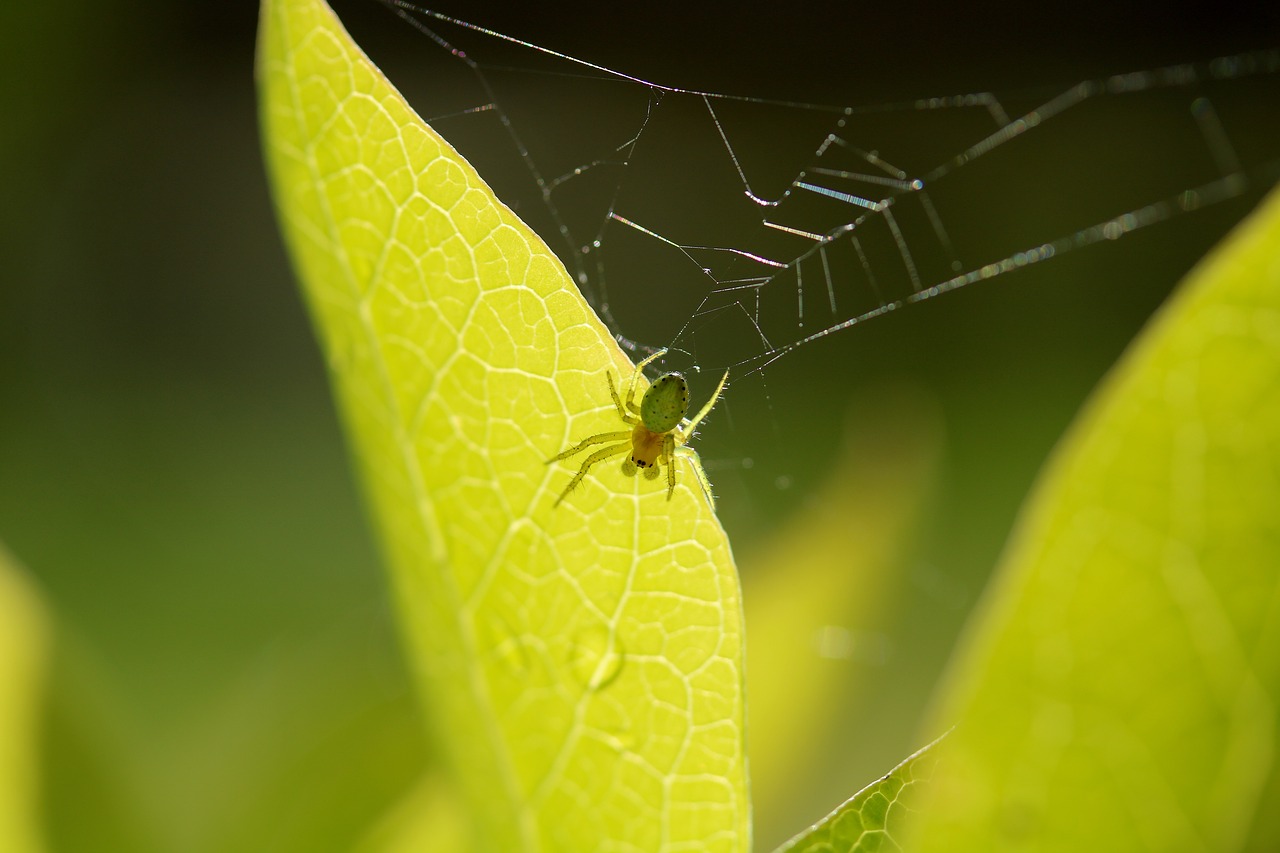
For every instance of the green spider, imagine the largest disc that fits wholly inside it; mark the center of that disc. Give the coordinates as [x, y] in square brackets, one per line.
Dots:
[658, 434]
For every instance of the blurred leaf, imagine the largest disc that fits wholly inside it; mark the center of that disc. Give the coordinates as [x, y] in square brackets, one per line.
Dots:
[582, 664]
[874, 818]
[1119, 691]
[815, 592]
[217, 679]
[428, 817]
[23, 658]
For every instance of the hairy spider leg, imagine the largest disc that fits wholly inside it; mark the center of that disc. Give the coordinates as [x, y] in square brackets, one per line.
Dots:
[635, 410]
[599, 438]
[669, 456]
[686, 429]
[635, 378]
[617, 401]
[696, 464]
[599, 456]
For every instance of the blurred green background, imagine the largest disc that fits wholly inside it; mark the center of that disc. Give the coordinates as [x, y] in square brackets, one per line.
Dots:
[226, 675]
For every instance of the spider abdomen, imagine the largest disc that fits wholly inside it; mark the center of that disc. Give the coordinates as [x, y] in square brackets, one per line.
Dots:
[665, 403]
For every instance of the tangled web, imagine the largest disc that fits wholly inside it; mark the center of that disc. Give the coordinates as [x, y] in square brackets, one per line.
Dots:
[761, 225]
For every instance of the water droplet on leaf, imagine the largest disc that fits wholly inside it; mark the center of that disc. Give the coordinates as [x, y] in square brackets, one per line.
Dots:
[596, 657]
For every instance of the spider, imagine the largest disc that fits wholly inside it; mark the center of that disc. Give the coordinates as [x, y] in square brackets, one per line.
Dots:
[658, 431]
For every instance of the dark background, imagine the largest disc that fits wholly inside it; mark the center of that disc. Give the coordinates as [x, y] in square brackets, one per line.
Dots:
[171, 469]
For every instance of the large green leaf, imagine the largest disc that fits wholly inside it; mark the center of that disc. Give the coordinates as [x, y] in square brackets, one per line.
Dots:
[582, 664]
[1120, 690]
[23, 654]
[874, 819]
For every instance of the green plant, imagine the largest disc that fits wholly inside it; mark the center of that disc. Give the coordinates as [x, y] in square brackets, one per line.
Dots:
[583, 663]
[583, 666]
[23, 653]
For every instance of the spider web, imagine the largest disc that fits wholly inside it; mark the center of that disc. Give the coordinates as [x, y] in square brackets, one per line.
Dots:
[758, 225]
[864, 173]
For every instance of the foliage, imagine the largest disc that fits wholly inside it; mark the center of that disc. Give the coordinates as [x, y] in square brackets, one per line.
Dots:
[23, 654]
[584, 667]
[1118, 690]
[582, 663]
[875, 818]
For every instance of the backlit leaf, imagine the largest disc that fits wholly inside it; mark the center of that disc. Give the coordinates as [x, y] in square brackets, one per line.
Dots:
[582, 664]
[874, 819]
[1120, 690]
[23, 654]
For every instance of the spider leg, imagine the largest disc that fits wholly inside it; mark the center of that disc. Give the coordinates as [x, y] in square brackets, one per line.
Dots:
[601, 438]
[635, 377]
[696, 464]
[669, 456]
[617, 401]
[657, 355]
[686, 431]
[599, 456]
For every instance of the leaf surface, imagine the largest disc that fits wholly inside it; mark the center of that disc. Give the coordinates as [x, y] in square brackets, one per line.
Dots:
[23, 655]
[875, 818]
[582, 665]
[1120, 690]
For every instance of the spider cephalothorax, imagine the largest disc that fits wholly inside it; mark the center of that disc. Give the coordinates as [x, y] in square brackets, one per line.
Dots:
[658, 431]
